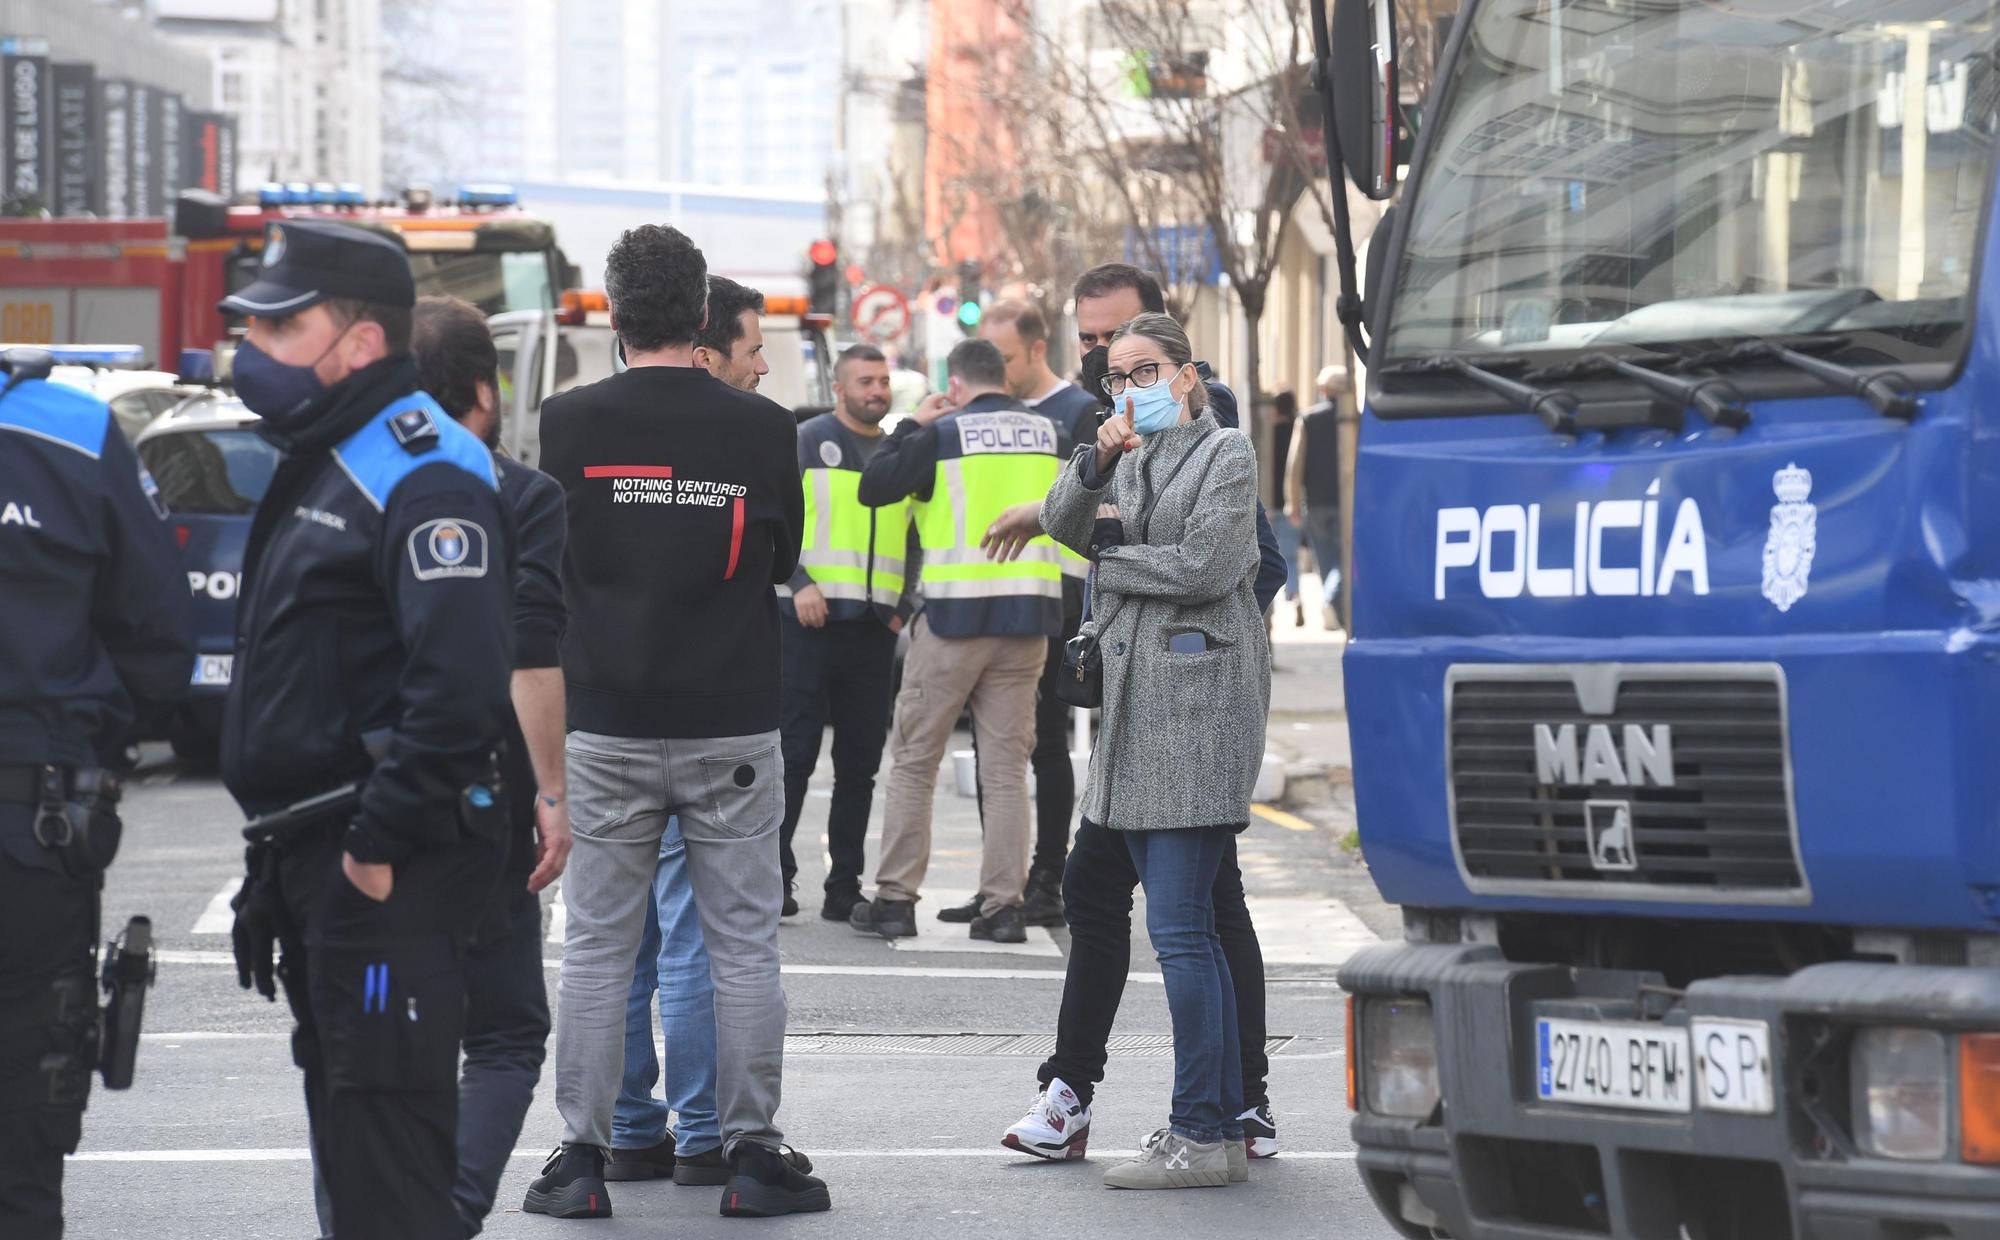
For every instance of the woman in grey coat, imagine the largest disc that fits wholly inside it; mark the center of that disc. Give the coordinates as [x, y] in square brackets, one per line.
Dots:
[1165, 504]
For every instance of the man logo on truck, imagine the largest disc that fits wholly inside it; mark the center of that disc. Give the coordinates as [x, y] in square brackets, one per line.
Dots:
[1648, 755]
[1505, 543]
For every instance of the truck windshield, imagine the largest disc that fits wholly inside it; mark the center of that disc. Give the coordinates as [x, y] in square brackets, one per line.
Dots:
[1654, 172]
[495, 281]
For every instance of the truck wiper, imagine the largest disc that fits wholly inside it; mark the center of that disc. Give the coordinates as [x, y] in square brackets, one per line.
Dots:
[1711, 396]
[1887, 393]
[1555, 407]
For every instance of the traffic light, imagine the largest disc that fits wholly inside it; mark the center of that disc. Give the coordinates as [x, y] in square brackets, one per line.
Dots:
[969, 309]
[823, 281]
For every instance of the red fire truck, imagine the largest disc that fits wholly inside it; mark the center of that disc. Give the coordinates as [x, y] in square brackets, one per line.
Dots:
[155, 282]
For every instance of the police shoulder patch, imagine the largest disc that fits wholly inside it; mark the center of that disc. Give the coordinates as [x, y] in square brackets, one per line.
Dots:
[829, 453]
[448, 547]
[414, 429]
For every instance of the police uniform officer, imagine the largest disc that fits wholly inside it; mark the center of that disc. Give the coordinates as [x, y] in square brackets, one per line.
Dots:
[982, 638]
[852, 594]
[93, 634]
[373, 651]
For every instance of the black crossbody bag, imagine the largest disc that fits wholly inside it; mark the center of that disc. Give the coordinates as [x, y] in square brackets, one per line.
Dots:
[1081, 683]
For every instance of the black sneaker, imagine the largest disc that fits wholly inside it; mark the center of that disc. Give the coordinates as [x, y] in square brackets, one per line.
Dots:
[766, 1184]
[839, 905]
[791, 906]
[1260, 1132]
[709, 1168]
[892, 919]
[655, 1162]
[1044, 905]
[961, 914]
[571, 1185]
[1004, 926]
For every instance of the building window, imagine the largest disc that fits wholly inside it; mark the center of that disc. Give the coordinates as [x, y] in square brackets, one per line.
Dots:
[232, 89]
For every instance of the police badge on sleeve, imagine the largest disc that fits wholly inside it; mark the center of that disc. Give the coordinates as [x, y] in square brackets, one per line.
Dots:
[448, 547]
[1788, 549]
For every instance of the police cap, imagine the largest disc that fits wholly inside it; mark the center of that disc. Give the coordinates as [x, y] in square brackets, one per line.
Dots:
[310, 261]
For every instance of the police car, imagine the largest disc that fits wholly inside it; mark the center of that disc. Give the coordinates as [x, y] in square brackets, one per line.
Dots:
[115, 375]
[211, 469]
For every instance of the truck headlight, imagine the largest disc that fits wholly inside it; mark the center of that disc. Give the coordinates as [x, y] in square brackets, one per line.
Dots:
[1901, 1092]
[1399, 1057]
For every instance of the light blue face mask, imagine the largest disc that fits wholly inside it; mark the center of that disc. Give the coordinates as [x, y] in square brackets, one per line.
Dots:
[1155, 408]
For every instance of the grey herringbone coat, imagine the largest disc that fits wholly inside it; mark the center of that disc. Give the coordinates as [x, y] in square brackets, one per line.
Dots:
[1182, 736]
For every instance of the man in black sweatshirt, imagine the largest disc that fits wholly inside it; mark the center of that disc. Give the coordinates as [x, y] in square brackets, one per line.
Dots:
[684, 513]
[506, 1000]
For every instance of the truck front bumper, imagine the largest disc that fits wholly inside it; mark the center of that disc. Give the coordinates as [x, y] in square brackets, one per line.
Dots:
[1497, 1162]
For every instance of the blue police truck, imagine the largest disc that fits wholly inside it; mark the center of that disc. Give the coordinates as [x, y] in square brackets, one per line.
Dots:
[1675, 687]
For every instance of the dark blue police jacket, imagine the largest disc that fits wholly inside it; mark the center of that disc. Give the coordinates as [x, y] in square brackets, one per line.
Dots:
[93, 603]
[376, 602]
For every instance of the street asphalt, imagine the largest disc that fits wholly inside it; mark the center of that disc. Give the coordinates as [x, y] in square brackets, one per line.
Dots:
[904, 1125]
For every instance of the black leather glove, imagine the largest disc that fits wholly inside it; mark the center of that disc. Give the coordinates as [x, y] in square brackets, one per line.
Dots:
[255, 934]
[1108, 532]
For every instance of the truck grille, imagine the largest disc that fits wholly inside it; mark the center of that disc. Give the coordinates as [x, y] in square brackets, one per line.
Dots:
[1637, 781]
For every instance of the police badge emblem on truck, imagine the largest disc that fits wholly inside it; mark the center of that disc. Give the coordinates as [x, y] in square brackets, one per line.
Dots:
[1788, 550]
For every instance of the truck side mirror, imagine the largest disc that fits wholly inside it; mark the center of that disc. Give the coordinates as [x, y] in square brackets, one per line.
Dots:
[1364, 90]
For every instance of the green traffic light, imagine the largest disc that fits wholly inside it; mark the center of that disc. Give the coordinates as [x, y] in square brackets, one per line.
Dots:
[969, 313]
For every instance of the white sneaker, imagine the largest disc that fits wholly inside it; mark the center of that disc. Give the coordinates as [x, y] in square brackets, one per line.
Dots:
[1169, 1160]
[1056, 1127]
[1260, 1132]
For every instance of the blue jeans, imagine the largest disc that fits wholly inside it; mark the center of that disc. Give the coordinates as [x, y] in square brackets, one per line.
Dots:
[1289, 537]
[676, 965]
[1178, 869]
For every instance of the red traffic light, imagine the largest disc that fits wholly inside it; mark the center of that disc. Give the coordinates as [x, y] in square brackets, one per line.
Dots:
[855, 275]
[823, 253]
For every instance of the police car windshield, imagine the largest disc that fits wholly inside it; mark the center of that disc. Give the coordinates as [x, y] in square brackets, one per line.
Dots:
[219, 472]
[1609, 173]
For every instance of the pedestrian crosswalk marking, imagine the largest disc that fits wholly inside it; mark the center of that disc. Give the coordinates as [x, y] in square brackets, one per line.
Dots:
[218, 917]
[944, 941]
[954, 940]
[1308, 931]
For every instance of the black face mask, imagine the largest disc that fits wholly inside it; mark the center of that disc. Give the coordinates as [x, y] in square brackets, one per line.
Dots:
[1096, 364]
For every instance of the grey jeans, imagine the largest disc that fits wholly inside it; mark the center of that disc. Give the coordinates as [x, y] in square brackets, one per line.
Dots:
[729, 794]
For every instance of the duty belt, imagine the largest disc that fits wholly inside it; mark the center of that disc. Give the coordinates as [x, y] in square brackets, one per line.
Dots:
[22, 784]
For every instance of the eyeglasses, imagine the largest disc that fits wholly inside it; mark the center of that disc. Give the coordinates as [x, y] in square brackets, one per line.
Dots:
[1144, 375]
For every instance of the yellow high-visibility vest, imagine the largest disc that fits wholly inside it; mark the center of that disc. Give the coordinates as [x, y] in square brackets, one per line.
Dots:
[853, 553]
[989, 460]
